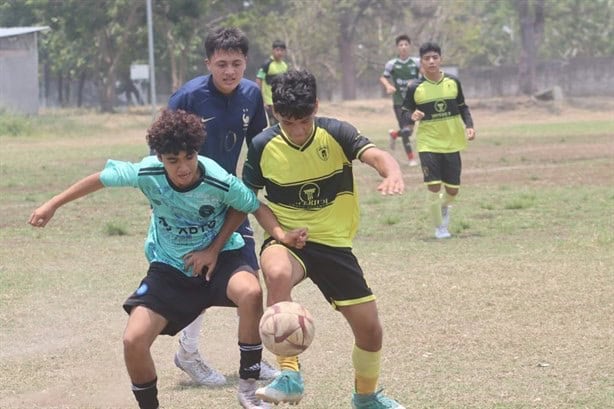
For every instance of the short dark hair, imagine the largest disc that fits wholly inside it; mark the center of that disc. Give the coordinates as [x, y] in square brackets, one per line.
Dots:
[279, 44]
[294, 94]
[226, 39]
[176, 131]
[428, 47]
[402, 37]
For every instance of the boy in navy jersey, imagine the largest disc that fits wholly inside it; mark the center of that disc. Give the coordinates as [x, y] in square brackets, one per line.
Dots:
[233, 111]
[194, 252]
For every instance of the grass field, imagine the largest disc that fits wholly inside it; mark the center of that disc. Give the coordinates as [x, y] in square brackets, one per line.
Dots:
[515, 311]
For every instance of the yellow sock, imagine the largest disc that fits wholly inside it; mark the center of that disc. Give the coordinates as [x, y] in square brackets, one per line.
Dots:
[434, 206]
[288, 363]
[367, 369]
[448, 198]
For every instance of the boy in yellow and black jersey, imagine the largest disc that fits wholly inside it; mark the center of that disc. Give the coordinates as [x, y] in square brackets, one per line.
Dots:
[445, 125]
[304, 163]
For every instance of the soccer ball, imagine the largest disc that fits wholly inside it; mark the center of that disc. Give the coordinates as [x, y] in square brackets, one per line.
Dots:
[286, 328]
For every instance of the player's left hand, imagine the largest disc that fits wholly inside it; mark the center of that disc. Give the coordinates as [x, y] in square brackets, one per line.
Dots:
[202, 262]
[470, 134]
[392, 185]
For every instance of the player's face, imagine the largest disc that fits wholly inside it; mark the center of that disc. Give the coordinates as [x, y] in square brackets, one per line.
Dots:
[297, 130]
[430, 63]
[182, 168]
[403, 49]
[226, 68]
[279, 53]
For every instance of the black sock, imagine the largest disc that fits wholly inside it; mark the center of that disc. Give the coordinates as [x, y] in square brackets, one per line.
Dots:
[251, 355]
[146, 394]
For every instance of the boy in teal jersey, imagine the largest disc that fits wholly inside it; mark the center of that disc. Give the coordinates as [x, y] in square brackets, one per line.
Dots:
[397, 75]
[305, 165]
[274, 66]
[437, 101]
[192, 247]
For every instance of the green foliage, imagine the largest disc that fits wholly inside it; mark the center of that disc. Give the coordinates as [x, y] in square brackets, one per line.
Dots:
[115, 229]
[13, 125]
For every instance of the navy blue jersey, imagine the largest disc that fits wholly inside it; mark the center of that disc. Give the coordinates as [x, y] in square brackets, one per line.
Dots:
[229, 119]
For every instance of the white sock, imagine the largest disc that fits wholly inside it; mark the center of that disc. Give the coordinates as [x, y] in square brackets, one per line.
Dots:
[190, 334]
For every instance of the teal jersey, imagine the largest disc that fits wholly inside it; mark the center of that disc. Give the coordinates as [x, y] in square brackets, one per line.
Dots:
[400, 73]
[183, 220]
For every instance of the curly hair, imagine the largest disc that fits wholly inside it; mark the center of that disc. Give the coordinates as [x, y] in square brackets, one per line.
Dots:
[176, 131]
[294, 94]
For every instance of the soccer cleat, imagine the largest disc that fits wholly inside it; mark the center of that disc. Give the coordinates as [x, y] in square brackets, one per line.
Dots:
[288, 387]
[393, 138]
[199, 370]
[442, 232]
[267, 371]
[375, 400]
[413, 162]
[247, 395]
[445, 216]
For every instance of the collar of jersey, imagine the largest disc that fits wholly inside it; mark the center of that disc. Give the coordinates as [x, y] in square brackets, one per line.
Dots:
[295, 146]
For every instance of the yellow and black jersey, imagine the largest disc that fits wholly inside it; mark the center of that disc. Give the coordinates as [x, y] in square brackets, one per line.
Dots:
[442, 129]
[310, 185]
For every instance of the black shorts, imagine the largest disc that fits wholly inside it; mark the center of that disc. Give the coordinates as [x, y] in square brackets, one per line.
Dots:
[335, 270]
[441, 168]
[248, 252]
[179, 298]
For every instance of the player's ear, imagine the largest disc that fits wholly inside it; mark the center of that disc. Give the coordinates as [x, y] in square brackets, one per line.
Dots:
[315, 109]
[207, 62]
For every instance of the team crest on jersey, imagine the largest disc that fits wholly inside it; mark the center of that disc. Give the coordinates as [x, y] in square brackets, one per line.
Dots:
[309, 192]
[323, 152]
[245, 117]
[440, 106]
[206, 211]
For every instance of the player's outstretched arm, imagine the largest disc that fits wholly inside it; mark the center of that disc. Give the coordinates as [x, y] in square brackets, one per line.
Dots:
[41, 216]
[294, 238]
[388, 168]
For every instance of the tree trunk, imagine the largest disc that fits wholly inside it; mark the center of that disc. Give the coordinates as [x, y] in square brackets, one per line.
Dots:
[531, 33]
[82, 77]
[346, 55]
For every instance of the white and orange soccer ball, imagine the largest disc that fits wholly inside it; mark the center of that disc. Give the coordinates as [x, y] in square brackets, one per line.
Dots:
[286, 328]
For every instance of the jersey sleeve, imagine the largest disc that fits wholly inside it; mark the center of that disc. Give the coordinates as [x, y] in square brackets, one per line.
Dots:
[409, 103]
[119, 173]
[462, 106]
[388, 69]
[351, 140]
[241, 197]
[258, 122]
[252, 173]
[177, 101]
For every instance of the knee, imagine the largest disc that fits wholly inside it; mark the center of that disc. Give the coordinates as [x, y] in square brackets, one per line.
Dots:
[133, 343]
[277, 276]
[251, 295]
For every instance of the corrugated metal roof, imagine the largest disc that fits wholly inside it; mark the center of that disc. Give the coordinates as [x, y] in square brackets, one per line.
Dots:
[15, 31]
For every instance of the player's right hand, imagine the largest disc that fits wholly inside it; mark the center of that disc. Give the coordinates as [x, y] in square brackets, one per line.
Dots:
[41, 216]
[296, 238]
[417, 115]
